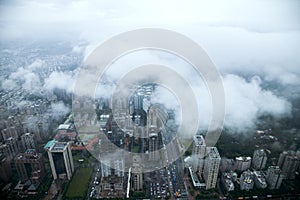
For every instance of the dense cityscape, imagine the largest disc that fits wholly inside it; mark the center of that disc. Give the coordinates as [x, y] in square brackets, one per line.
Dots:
[61, 163]
[149, 99]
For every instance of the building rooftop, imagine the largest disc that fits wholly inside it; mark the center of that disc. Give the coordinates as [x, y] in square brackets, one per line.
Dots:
[58, 146]
[199, 140]
[28, 154]
[64, 126]
[49, 144]
[27, 134]
[244, 159]
[213, 153]
[260, 152]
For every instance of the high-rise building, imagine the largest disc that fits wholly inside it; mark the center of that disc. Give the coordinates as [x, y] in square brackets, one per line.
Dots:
[153, 146]
[5, 168]
[226, 179]
[10, 148]
[242, 163]
[138, 101]
[119, 167]
[259, 179]
[61, 160]
[211, 167]
[28, 141]
[152, 134]
[112, 167]
[274, 177]
[30, 166]
[198, 154]
[105, 168]
[247, 180]
[112, 180]
[137, 175]
[259, 159]
[9, 132]
[288, 163]
[227, 165]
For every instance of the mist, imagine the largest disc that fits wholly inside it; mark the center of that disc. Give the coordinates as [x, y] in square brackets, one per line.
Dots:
[254, 45]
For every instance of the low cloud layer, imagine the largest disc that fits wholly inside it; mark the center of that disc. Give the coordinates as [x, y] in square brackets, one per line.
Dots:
[26, 77]
[247, 100]
[254, 44]
[58, 110]
[60, 80]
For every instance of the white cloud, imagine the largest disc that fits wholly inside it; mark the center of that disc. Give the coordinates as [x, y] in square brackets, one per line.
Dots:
[246, 100]
[247, 38]
[58, 109]
[60, 80]
[25, 77]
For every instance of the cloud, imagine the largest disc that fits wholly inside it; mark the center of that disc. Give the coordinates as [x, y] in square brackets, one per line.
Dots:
[252, 44]
[25, 77]
[37, 64]
[9, 84]
[246, 101]
[57, 110]
[245, 97]
[60, 80]
[80, 17]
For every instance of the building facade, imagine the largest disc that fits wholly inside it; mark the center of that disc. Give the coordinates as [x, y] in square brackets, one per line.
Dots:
[242, 163]
[10, 148]
[30, 166]
[198, 153]
[274, 177]
[137, 175]
[211, 167]
[28, 141]
[259, 159]
[259, 179]
[61, 160]
[5, 168]
[288, 163]
[247, 180]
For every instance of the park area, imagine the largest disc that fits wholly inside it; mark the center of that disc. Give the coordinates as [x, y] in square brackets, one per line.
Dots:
[79, 184]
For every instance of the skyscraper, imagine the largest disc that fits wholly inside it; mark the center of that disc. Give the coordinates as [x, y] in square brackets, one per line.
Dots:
[30, 166]
[137, 175]
[198, 154]
[10, 148]
[242, 163]
[153, 146]
[105, 168]
[259, 159]
[61, 160]
[211, 167]
[274, 177]
[288, 163]
[152, 134]
[259, 179]
[247, 180]
[5, 168]
[28, 141]
[112, 166]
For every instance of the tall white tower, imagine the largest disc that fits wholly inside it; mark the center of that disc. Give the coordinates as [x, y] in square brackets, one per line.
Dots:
[211, 167]
[198, 154]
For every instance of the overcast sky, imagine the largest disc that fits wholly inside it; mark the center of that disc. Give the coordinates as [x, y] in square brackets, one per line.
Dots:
[251, 41]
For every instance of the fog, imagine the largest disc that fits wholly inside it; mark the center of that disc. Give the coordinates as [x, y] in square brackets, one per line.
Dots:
[252, 43]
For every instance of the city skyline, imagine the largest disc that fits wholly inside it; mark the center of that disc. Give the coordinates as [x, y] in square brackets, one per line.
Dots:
[149, 100]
